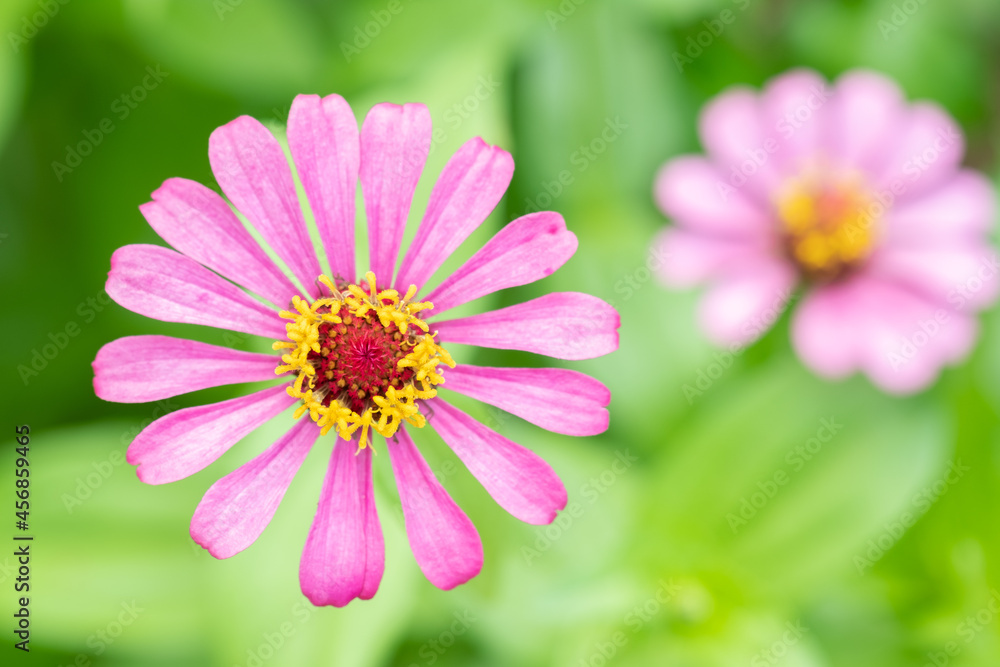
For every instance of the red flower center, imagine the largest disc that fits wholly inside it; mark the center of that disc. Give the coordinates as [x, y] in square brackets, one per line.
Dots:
[358, 359]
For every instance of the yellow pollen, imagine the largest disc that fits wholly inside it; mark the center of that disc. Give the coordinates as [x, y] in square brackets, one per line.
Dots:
[394, 354]
[828, 228]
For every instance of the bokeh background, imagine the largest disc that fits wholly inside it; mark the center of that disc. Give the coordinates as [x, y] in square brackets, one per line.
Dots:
[648, 567]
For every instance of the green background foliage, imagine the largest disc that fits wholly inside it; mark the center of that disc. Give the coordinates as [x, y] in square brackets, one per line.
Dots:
[647, 562]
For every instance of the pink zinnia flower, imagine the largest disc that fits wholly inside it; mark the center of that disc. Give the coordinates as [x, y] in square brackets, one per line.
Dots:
[359, 355]
[851, 193]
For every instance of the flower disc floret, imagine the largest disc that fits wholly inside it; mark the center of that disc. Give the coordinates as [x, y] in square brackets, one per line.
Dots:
[827, 226]
[362, 357]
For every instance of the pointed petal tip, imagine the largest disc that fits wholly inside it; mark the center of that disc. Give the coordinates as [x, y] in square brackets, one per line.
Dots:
[559, 504]
[457, 580]
[205, 544]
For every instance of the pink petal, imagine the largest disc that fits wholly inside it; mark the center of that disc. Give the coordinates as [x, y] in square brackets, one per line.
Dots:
[238, 507]
[324, 140]
[685, 259]
[898, 339]
[959, 274]
[825, 330]
[137, 369]
[961, 209]
[526, 250]
[564, 325]
[186, 441]
[344, 554]
[469, 188]
[731, 127]
[199, 223]
[796, 113]
[927, 151]
[744, 304]
[395, 141]
[886, 361]
[517, 478]
[866, 111]
[700, 198]
[556, 399]
[165, 285]
[444, 541]
[253, 171]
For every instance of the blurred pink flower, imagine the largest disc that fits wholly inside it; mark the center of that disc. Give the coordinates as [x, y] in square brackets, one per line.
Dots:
[851, 193]
[356, 354]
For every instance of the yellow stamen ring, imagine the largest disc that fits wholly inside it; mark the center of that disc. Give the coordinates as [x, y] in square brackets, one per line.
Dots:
[362, 358]
[828, 227]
